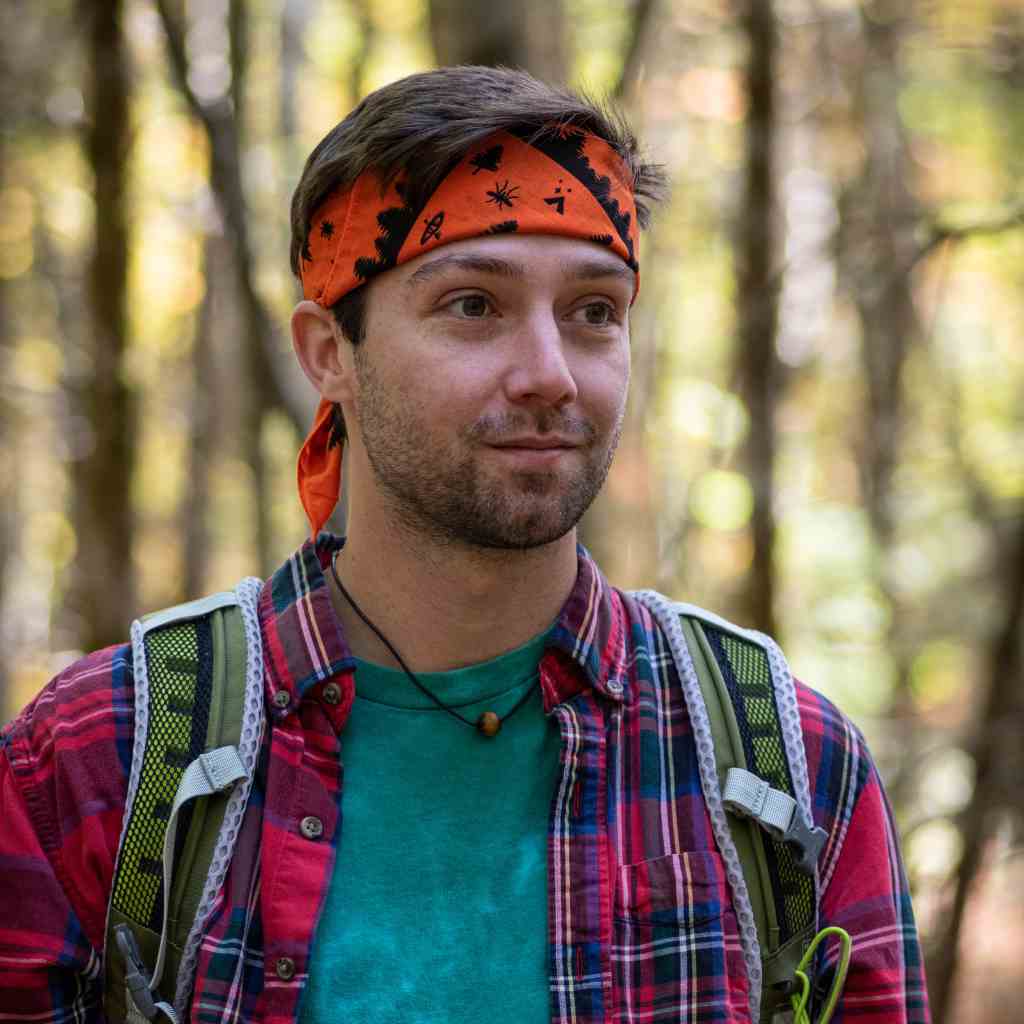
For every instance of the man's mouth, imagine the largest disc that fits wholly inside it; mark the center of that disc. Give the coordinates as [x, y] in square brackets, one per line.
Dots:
[546, 442]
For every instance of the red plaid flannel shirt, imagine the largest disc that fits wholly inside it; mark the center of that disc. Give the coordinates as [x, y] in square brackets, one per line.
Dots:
[619, 846]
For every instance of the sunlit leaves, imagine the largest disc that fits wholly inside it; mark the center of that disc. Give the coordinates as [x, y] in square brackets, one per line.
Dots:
[943, 671]
[697, 409]
[36, 364]
[722, 500]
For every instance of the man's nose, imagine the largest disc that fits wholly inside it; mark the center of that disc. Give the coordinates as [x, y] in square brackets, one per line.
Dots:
[539, 369]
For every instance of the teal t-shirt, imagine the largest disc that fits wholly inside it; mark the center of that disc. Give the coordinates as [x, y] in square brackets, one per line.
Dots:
[437, 908]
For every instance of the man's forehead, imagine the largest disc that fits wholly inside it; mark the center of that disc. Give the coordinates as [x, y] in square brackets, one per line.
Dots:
[512, 258]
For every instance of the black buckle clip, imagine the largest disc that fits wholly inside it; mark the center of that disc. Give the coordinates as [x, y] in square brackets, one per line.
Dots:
[805, 841]
[135, 974]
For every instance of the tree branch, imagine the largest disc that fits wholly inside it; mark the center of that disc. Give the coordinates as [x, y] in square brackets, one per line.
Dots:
[643, 11]
[1012, 217]
[283, 385]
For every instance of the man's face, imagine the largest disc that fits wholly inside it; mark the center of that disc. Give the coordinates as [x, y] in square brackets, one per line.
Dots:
[491, 386]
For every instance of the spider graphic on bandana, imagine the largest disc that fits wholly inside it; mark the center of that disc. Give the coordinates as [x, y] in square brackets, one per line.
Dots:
[502, 195]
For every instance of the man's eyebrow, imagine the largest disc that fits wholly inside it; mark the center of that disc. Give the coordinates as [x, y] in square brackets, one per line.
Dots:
[480, 264]
[587, 269]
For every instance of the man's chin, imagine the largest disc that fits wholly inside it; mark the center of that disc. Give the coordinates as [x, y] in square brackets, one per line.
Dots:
[518, 531]
[516, 542]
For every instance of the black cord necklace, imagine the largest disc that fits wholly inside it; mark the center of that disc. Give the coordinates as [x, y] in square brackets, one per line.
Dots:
[488, 724]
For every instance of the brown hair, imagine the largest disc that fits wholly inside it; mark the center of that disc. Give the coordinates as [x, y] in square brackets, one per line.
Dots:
[422, 125]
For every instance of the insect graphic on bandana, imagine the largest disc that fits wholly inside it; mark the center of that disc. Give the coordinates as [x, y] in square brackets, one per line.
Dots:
[433, 228]
[488, 160]
[326, 229]
[558, 200]
[502, 195]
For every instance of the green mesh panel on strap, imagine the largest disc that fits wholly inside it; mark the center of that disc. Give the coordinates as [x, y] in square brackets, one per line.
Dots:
[195, 658]
[179, 667]
[745, 669]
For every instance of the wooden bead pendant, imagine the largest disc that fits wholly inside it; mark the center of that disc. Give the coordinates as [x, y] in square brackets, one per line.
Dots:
[488, 723]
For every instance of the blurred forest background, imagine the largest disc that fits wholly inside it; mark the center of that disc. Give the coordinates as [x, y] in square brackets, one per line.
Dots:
[826, 430]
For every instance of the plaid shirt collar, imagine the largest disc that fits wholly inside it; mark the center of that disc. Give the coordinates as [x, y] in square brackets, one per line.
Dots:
[304, 647]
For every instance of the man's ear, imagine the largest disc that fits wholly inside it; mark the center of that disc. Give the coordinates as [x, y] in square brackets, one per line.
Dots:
[321, 351]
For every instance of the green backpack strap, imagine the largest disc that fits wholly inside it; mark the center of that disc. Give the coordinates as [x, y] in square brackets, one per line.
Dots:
[753, 771]
[778, 851]
[196, 684]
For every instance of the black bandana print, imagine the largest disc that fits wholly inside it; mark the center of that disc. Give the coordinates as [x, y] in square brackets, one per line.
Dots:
[488, 160]
[395, 223]
[337, 432]
[566, 148]
[503, 194]
[432, 227]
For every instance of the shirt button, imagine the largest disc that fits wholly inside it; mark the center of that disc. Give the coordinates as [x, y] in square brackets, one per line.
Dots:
[614, 686]
[311, 828]
[282, 699]
[332, 693]
[285, 968]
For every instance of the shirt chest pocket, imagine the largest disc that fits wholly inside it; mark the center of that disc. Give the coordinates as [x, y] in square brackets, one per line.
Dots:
[676, 952]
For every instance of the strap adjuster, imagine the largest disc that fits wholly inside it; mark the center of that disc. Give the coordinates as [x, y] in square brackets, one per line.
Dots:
[805, 841]
[777, 813]
[135, 973]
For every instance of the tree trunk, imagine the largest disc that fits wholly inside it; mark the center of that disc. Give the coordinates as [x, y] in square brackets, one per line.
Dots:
[997, 759]
[8, 474]
[292, 63]
[757, 366]
[633, 58]
[879, 219]
[293, 24]
[367, 38]
[273, 379]
[280, 380]
[528, 35]
[258, 394]
[103, 585]
[203, 423]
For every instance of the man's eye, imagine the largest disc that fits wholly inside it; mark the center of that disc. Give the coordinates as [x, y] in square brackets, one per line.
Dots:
[598, 314]
[471, 307]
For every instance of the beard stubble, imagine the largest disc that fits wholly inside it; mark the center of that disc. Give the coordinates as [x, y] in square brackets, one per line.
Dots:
[446, 493]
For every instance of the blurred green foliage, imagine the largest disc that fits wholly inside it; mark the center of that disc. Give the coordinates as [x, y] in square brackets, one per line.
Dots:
[851, 611]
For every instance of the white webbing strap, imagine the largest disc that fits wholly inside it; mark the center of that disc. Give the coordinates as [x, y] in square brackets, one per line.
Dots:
[777, 813]
[752, 797]
[211, 772]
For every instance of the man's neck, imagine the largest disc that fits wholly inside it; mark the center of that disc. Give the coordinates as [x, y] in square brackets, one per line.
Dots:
[445, 607]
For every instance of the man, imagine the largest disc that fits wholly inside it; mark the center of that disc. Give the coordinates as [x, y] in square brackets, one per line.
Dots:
[454, 816]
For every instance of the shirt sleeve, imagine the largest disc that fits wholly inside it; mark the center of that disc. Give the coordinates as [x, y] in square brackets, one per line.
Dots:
[63, 776]
[864, 887]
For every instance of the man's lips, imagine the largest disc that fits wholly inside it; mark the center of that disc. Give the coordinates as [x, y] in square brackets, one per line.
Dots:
[535, 453]
[537, 443]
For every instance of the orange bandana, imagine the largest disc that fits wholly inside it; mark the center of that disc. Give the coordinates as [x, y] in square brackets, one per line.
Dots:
[565, 183]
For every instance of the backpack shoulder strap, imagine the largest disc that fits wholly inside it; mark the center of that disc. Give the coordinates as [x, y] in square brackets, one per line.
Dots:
[198, 721]
[754, 776]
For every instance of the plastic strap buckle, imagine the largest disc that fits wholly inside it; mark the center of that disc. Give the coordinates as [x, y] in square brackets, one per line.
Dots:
[806, 842]
[135, 973]
[776, 812]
